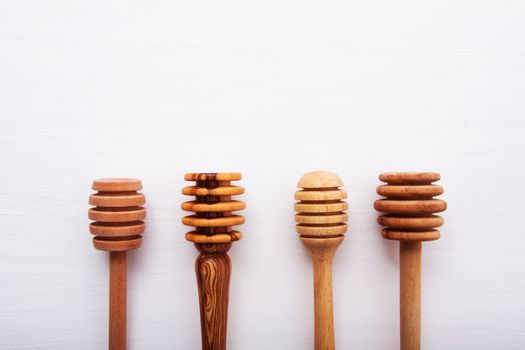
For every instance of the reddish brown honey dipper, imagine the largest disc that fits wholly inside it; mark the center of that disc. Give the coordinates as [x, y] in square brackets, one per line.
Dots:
[321, 227]
[213, 237]
[118, 225]
[409, 208]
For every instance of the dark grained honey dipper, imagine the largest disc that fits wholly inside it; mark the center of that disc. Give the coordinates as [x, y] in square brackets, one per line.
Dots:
[213, 237]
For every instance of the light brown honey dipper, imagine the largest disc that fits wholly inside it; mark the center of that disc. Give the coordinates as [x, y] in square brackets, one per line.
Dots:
[117, 228]
[213, 238]
[321, 228]
[409, 207]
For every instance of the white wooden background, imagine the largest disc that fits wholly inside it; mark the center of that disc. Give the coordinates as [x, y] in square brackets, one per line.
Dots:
[154, 89]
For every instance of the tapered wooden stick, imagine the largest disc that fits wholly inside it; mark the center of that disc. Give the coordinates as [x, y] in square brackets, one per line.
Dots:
[213, 238]
[410, 293]
[117, 300]
[117, 228]
[213, 270]
[409, 206]
[321, 228]
[322, 252]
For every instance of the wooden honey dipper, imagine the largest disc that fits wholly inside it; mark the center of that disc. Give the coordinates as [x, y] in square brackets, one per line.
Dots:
[213, 238]
[117, 228]
[321, 228]
[409, 207]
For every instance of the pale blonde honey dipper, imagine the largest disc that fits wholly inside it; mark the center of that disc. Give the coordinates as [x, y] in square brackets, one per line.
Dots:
[321, 227]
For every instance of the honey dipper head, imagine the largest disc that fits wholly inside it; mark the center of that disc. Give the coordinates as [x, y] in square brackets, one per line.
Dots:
[213, 207]
[409, 206]
[320, 206]
[118, 214]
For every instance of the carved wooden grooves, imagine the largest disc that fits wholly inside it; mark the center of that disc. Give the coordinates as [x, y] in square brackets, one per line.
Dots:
[213, 237]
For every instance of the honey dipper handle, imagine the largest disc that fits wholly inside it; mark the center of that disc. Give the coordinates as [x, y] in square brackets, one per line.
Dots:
[322, 251]
[324, 306]
[117, 300]
[213, 269]
[410, 294]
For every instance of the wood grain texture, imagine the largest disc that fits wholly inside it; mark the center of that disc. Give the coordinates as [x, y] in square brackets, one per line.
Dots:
[213, 270]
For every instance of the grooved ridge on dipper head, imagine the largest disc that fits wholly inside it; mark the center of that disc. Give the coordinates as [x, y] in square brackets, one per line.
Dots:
[118, 214]
[409, 206]
[213, 207]
[320, 206]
